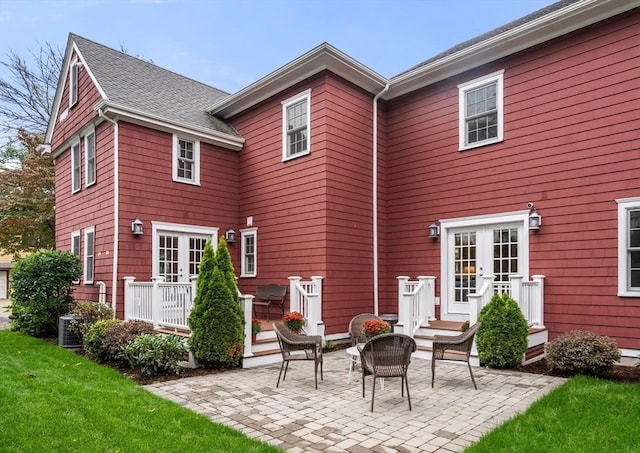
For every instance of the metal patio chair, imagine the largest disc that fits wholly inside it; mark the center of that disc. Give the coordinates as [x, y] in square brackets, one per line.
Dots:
[458, 347]
[298, 347]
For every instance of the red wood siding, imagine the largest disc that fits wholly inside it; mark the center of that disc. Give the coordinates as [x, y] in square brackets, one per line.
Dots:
[571, 147]
[313, 213]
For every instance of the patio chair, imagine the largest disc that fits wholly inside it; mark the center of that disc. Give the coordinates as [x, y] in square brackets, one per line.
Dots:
[268, 295]
[298, 347]
[387, 355]
[355, 328]
[455, 348]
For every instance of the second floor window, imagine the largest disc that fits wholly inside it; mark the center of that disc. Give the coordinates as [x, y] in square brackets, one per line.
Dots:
[75, 167]
[296, 114]
[90, 157]
[481, 106]
[186, 160]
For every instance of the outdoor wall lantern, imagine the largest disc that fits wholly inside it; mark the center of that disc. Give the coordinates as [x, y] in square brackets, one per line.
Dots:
[434, 230]
[136, 227]
[535, 220]
[230, 235]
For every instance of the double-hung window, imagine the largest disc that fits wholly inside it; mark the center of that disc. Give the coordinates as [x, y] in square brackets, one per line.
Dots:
[629, 247]
[89, 254]
[296, 125]
[75, 167]
[75, 246]
[73, 83]
[249, 241]
[481, 111]
[90, 157]
[186, 160]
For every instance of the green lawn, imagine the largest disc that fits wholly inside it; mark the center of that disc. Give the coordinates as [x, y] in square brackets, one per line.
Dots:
[53, 400]
[585, 415]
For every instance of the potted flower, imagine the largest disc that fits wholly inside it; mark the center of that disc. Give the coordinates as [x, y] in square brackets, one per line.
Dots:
[294, 321]
[256, 328]
[373, 327]
[465, 326]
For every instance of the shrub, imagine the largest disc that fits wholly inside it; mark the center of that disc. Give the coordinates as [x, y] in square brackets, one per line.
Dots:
[502, 337]
[118, 336]
[94, 339]
[86, 313]
[156, 354]
[582, 352]
[41, 291]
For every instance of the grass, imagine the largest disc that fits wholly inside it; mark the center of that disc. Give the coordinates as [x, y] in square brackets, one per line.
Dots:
[583, 415]
[52, 399]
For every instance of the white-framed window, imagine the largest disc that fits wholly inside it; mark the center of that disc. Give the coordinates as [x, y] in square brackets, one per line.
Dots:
[90, 156]
[75, 246]
[73, 83]
[296, 126]
[89, 254]
[249, 238]
[186, 160]
[629, 247]
[481, 109]
[76, 173]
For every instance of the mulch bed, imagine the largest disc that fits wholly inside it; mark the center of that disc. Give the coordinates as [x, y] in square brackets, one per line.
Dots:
[619, 373]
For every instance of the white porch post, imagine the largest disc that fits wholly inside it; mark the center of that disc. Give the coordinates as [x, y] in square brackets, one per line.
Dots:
[246, 303]
[404, 308]
[294, 297]
[127, 297]
[314, 317]
[156, 300]
[428, 296]
[539, 303]
[516, 293]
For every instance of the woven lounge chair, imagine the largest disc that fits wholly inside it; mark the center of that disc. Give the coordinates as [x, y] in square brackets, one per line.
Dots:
[355, 328]
[387, 355]
[298, 347]
[457, 348]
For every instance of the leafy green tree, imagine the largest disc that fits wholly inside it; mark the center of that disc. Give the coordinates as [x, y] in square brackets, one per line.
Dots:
[216, 321]
[41, 291]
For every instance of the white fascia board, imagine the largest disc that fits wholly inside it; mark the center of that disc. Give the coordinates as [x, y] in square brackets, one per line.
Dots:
[120, 112]
[323, 57]
[566, 20]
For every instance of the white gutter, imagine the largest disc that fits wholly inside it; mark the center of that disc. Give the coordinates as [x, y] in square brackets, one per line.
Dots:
[116, 207]
[375, 198]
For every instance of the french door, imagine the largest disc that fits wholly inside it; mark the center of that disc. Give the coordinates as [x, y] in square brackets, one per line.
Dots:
[473, 251]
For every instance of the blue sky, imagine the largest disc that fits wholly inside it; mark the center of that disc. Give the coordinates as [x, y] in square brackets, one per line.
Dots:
[230, 44]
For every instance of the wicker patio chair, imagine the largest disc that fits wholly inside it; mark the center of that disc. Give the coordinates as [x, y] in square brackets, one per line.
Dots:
[458, 346]
[355, 328]
[387, 355]
[298, 347]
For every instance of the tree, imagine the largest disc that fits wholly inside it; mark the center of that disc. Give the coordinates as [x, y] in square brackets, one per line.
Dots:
[27, 220]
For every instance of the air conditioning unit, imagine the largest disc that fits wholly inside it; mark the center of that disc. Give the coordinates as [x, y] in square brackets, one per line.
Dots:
[67, 338]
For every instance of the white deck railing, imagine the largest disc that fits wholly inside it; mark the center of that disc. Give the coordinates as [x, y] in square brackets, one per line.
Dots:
[416, 303]
[305, 297]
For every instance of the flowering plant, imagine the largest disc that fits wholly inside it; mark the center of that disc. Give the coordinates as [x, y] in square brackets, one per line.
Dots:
[373, 327]
[256, 327]
[294, 321]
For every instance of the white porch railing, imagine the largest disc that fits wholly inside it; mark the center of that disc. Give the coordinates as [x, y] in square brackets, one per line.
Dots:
[529, 296]
[416, 303]
[305, 297]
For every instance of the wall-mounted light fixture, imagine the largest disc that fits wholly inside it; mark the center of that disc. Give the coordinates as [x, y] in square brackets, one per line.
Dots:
[136, 227]
[535, 219]
[434, 230]
[230, 235]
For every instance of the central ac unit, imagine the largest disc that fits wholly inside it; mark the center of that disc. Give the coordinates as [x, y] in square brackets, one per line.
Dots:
[68, 338]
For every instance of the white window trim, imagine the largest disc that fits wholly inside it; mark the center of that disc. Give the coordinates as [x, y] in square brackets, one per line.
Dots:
[305, 95]
[163, 227]
[243, 234]
[78, 252]
[87, 232]
[75, 143]
[462, 89]
[73, 74]
[624, 205]
[196, 160]
[87, 133]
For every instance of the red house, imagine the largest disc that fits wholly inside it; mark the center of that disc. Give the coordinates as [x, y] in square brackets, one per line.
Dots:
[510, 162]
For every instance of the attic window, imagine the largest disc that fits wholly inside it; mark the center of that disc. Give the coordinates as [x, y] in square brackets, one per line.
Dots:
[73, 83]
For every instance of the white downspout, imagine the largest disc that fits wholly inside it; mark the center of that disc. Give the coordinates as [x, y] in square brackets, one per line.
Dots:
[375, 199]
[116, 209]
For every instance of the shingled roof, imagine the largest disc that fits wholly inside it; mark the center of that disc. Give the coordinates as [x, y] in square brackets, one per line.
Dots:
[140, 85]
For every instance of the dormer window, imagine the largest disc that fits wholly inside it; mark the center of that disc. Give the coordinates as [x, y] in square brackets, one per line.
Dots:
[73, 83]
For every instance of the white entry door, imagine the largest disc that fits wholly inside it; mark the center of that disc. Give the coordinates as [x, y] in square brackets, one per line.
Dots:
[177, 252]
[472, 251]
